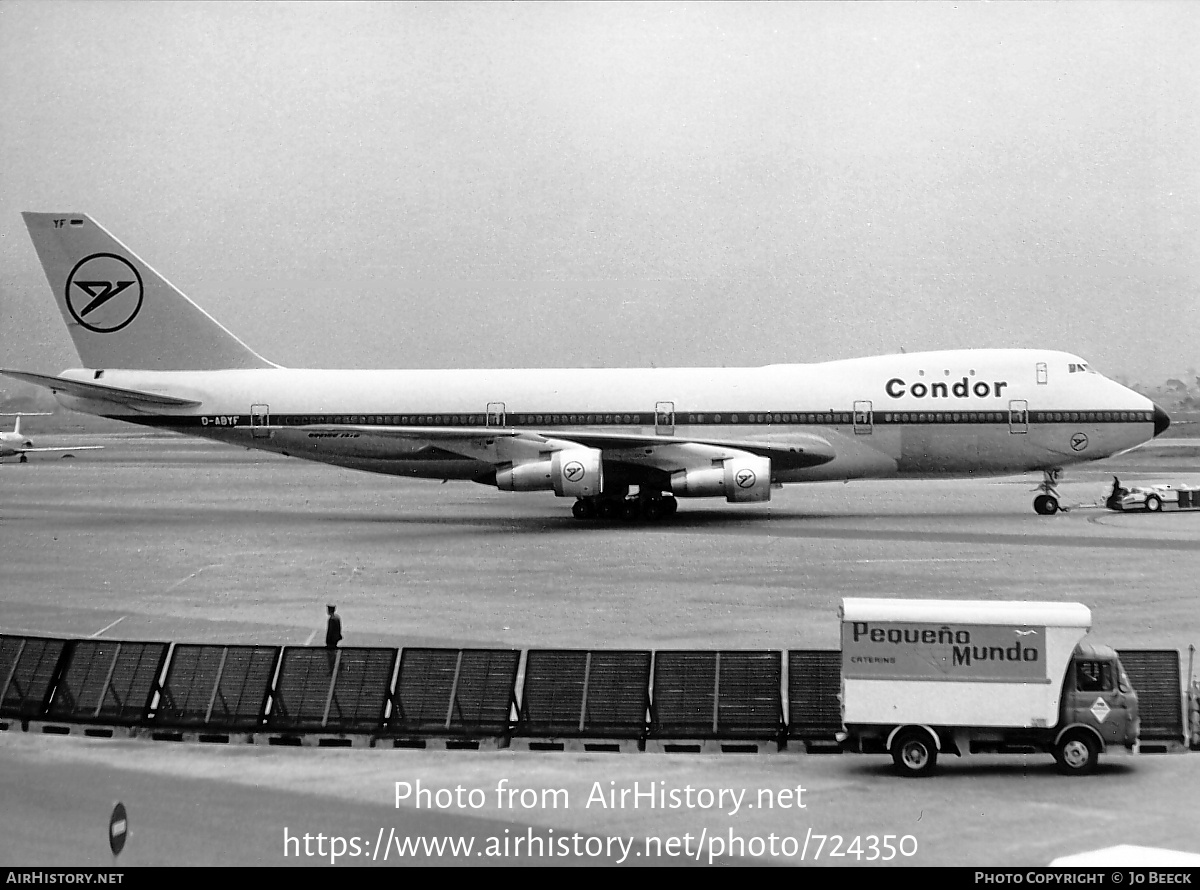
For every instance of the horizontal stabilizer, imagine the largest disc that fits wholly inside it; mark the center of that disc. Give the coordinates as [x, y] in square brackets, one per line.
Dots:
[131, 398]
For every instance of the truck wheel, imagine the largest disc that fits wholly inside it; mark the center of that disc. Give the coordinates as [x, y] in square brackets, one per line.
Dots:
[1153, 504]
[1077, 753]
[913, 753]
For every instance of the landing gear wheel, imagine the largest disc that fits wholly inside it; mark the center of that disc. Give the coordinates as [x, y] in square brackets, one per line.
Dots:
[631, 509]
[653, 509]
[1153, 504]
[670, 505]
[24, 459]
[1045, 505]
[609, 508]
[584, 508]
[913, 753]
[1077, 754]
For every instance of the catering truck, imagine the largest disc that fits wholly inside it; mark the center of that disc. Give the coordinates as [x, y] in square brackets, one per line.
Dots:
[927, 677]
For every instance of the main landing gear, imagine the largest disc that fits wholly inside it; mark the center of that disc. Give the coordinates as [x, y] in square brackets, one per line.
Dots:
[1046, 503]
[607, 507]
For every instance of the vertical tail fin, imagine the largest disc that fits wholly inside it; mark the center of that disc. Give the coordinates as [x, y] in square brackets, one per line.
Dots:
[121, 313]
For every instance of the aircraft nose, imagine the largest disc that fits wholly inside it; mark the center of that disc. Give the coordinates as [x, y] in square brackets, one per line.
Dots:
[1161, 421]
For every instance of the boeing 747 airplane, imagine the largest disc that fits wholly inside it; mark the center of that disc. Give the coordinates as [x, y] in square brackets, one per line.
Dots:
[621, 442]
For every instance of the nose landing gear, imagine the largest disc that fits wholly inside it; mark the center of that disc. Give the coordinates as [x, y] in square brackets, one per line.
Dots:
[1046, 503]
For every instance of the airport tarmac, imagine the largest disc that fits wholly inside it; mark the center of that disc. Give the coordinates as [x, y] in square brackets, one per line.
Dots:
[166, 538]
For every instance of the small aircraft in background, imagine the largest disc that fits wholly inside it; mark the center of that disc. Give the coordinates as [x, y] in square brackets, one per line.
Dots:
[17, 443]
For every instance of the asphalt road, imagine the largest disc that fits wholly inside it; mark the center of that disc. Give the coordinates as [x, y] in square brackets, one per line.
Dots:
[171, 539]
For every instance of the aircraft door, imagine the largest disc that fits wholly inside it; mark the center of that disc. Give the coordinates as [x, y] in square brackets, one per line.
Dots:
[1018, 416]
[495, 414]
[260, 421]
[864, 419]
[664, 419]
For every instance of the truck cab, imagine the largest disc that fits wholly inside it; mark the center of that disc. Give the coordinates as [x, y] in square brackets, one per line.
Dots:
[1098, 700]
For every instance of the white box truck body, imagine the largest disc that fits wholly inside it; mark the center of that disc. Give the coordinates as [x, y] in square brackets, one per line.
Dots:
[922, 677]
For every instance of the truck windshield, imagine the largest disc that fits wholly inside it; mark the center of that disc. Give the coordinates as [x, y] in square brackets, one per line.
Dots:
[1093, 676]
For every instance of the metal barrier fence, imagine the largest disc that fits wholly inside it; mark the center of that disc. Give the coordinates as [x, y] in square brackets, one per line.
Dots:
[417, 697]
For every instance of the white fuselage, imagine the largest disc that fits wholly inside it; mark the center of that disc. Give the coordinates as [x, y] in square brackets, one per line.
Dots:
[957, 413]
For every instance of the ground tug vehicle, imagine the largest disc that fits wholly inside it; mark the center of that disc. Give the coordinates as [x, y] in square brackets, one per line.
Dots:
[1153, 498]
[927, 677]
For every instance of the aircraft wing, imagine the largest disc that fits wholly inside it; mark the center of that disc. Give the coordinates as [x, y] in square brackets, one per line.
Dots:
[786, 451]
[130, 398]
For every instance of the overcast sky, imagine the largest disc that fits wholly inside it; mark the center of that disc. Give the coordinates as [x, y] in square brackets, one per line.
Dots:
[609, 184]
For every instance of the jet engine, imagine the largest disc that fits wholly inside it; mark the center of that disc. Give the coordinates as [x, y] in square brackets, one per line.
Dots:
[570, 473]
[740, 479]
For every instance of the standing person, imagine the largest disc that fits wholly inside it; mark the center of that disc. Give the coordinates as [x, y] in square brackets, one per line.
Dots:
[333, 627]
[333, 632]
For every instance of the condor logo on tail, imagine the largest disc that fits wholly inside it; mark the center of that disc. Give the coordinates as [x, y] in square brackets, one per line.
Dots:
[104, 292]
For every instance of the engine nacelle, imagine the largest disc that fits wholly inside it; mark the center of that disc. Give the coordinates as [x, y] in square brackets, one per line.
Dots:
[570, 473]
[740, 479]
